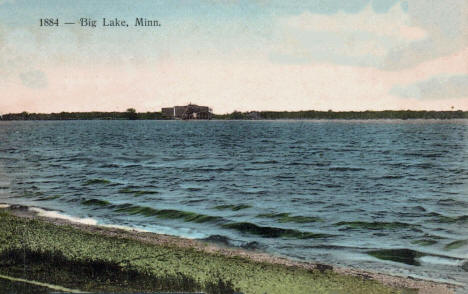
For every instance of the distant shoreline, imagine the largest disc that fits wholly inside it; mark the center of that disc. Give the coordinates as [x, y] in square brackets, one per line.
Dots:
[249, 115]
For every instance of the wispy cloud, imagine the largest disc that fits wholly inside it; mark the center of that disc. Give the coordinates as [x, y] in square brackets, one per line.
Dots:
[446, 23]
[364, 38]
[395, 23]
[442, 87]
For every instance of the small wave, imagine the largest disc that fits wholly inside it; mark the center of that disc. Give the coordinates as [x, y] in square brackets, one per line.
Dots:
[232, 207]
[193, 189]
[418, 208]
[8, 159]
[95, 202]
[97, 182]
[218, 239]
[374, 225]
[424, 242]
[46, 198]
[448, 219]
[203, 170]
[287, 218]
[334, 247]
[406, 256]
[187, 216]
[392, 177]
[333, 186]
[413, 257]
[253, 245]
[451, 202]
[137, 192]
[252, 168]
[253, 192]
[295, 163]
[131, 166]
[203, 180]
[167, 213]
[454, 184]
[315, 202]
[284, 177]
[193, 201]
[110, 165]
[322, 163]
[76, 159]
[344, 168]
[423, 165]
[338, 204]
[135, 209]
[265, 162]
[456, 244]
[273, 232]
[32, 194]
[432, 155]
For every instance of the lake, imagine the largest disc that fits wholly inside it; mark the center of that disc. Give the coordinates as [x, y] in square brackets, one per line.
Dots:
[388, 196]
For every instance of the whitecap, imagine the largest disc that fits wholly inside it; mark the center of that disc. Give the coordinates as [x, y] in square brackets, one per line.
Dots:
[430, 259]
[58, 215]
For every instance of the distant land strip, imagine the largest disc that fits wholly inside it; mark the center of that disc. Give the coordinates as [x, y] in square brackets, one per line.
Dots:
[131, 114]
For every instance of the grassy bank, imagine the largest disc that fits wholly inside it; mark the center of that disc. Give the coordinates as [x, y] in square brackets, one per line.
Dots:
[62, 255]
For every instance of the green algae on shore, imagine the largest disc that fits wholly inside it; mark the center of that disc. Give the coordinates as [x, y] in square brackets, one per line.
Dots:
[114, 260]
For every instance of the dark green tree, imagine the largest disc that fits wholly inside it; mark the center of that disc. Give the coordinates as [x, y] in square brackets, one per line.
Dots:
[131, 114]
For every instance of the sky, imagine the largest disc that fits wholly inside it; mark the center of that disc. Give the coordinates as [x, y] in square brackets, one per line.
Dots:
[235, 55]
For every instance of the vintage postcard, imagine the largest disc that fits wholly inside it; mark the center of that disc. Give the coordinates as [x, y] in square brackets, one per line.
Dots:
[234, 146]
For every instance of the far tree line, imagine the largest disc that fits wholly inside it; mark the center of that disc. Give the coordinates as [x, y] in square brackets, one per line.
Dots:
[132, 114]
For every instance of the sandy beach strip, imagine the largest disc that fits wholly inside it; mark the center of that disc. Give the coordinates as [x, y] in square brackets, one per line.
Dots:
[210, 249]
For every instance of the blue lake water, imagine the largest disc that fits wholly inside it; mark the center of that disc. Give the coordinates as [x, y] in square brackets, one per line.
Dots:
[337, 192]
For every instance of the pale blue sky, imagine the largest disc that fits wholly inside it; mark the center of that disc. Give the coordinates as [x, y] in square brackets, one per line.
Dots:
[310, 44]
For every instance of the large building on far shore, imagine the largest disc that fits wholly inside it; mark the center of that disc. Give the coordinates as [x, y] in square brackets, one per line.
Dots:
[191, 111]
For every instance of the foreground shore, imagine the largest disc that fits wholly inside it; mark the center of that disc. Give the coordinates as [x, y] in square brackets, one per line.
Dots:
[103, 259]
